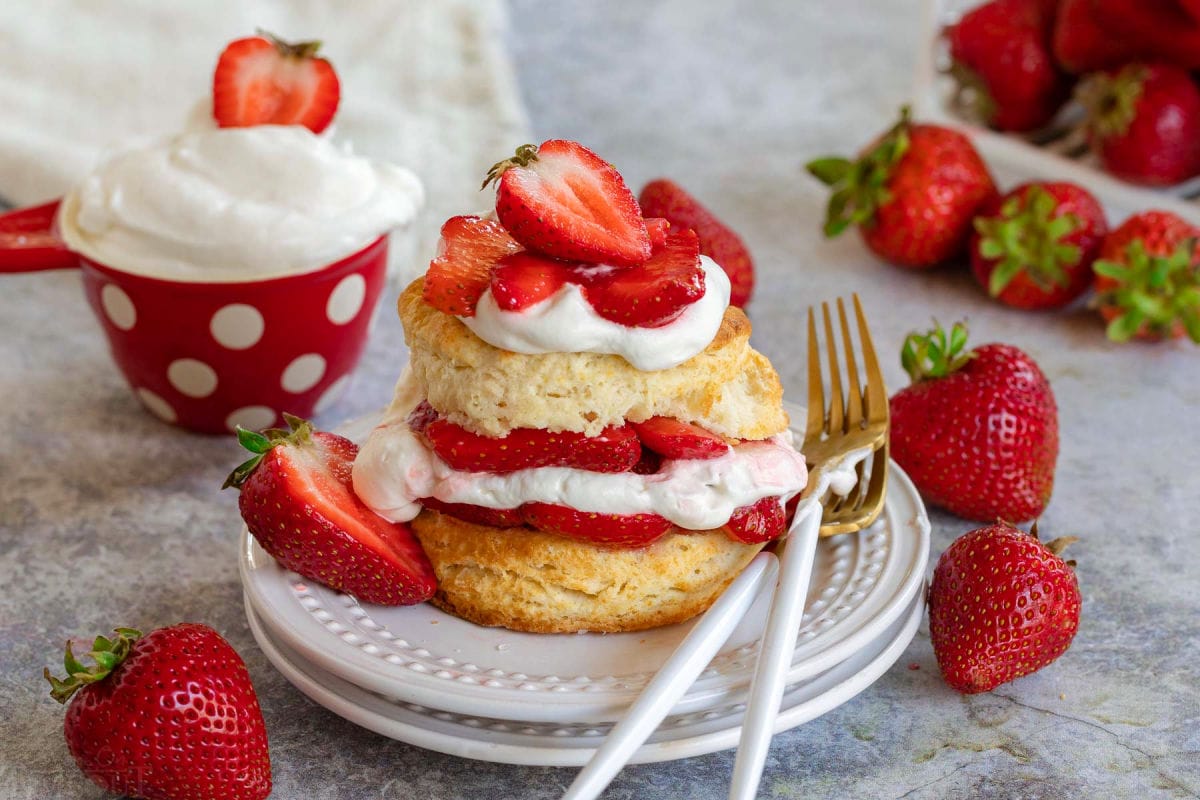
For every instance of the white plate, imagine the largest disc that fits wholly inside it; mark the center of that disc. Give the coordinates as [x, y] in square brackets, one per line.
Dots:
[418, 654]
[508, 742]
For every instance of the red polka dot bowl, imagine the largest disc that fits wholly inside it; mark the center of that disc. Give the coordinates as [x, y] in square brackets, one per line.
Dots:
[213, 356]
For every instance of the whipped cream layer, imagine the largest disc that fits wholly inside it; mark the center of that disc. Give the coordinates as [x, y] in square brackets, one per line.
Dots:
[394, 469]
[235, 204]
[567, 323]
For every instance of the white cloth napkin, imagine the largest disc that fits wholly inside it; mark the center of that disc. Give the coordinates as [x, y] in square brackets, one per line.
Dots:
[425, 83]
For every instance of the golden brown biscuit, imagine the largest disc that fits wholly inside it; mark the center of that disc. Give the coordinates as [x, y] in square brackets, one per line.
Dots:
[526, 580]
[729, 388]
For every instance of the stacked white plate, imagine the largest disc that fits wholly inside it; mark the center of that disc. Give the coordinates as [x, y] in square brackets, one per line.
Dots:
[430, 679]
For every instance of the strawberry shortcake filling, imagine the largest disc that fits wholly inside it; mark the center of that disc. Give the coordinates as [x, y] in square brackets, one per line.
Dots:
[628, 486]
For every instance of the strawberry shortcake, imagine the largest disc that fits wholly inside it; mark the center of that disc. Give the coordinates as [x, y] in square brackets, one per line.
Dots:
[584, 438]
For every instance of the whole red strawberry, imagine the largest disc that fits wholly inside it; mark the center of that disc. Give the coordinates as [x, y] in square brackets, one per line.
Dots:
[561, 199]
[1148, 279]
[166, 716]
[1002, 60]
[1163, 30]
[977, 431]
[299, 503]
[1033, 248]
[263, 80]
[1081, 44]
[668, 200]
[1002, 605]
[912, 195]
[1144, 122]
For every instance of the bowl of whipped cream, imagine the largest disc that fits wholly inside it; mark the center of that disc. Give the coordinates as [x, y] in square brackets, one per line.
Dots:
[234, 271]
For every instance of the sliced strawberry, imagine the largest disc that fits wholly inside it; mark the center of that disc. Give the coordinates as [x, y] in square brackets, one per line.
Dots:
[420, 417]
[479, 515]
[657, 229]
[758, 522]
[298, 501]
[524, 279]
[665, 198]
[262, 80]
[671, 438]
[563, 200]
[649, 463]
[460, 274]
[614, 449]
[653, 294]
[614, 530]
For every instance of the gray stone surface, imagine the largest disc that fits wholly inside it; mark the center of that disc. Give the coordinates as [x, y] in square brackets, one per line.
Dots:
[108, 517]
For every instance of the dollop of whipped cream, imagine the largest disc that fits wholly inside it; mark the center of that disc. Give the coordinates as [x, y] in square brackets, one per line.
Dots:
[566, 323]
[395, 469]
[235, 204]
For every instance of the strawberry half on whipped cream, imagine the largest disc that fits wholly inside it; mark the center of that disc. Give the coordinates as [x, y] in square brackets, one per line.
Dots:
[584, 439]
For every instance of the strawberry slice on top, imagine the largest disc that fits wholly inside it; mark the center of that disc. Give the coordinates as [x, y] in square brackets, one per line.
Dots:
[563, 200]
[525, 279]
[263, 80]
[652, 294]
[460, 274]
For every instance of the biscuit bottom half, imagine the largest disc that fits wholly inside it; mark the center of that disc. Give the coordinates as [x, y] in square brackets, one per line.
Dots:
[525, 580]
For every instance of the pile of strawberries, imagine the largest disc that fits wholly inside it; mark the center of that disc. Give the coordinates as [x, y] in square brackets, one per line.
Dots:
[922, 196]
[1128, 64]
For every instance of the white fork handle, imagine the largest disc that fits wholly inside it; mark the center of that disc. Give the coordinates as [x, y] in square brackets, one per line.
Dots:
[775, 655]
[673, 678]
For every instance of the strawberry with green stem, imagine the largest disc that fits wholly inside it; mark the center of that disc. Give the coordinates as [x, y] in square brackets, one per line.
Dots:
[1144, 122]
[912, 194]
[977, 431]
[298, 501]
[171, 715]
[1150, 297]
[1034, 247]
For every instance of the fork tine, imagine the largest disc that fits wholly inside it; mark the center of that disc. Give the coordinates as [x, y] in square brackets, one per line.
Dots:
[834, 421]
[876, 394]
[816, 392]
[854, 398]
[877, 487]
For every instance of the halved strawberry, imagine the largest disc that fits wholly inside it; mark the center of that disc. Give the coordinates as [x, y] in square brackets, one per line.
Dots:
[298, 501]
[563, 200]
[671, 438]
[758, 522]
[615, 530]
[263, 80]
[524, 279]
[479, 515]
[614, 449]
[653, 294]
[460, 273]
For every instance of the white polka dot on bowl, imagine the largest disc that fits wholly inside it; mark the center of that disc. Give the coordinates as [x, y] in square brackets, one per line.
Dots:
[118, 307]
[158, 406]
[192, 377]
[303, 373]
[346, 300]
[251, 417]
[237, 326]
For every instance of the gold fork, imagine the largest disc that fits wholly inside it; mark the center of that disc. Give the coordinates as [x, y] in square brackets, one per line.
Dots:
[854, 423]
[858, 421]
